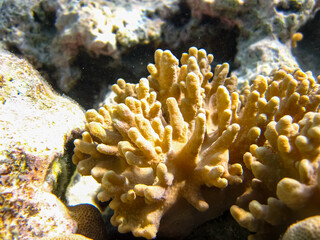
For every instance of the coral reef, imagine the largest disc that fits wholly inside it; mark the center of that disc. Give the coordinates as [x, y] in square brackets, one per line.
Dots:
[100, 27]
[280, 17]
[261, 57]
[181, 146]
[176, 135]
[35, 124]
[74, 42]
[52, 33]
[265, 27]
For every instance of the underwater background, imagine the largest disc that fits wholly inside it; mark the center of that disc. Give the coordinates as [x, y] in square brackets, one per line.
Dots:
[60, 59]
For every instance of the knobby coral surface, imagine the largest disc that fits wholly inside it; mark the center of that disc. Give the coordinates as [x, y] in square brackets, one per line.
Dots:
[308, 228]
[181, 134]
[285, 163]
[89, 221]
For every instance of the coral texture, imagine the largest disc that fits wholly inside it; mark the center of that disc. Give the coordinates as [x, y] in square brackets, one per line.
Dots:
[176, 135]
[285, 162]
[307, 229]
[281, 17]
[55, 34]
[165, 138]
[89, 221]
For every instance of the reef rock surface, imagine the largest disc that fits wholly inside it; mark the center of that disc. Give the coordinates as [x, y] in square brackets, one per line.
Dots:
[35, 124]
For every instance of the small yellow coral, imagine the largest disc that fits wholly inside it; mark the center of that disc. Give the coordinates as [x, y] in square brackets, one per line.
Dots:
[297, 37]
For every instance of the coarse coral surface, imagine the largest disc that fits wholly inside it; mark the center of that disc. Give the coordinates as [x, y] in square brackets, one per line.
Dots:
[187, 137]
[89, 221]
[308, 228]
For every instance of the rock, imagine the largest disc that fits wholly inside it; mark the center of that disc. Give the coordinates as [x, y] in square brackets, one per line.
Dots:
[36, 124]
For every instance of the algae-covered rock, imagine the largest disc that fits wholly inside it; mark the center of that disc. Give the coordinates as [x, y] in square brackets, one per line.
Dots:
[52, 33]
[35, 125]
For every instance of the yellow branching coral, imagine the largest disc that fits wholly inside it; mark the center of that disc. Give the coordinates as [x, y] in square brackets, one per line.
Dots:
[162, 140]
[285, 187]
[186, 133]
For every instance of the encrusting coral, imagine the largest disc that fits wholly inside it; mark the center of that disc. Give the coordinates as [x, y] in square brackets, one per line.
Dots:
[177, 136]
[89, 221]
[90, 224]
[307, 229]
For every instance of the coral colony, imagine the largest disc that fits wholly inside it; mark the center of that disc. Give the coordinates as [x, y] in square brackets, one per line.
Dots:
[185, 134]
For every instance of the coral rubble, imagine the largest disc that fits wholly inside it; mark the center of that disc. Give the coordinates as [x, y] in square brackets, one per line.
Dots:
[178, 136]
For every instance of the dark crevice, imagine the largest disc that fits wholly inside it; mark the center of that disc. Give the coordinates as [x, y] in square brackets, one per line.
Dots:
[182, 17]
[211, 34]
[45, 17]
[289, 6]
[93, 74]
[308, 50]
[14, 49]
[98, 74]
